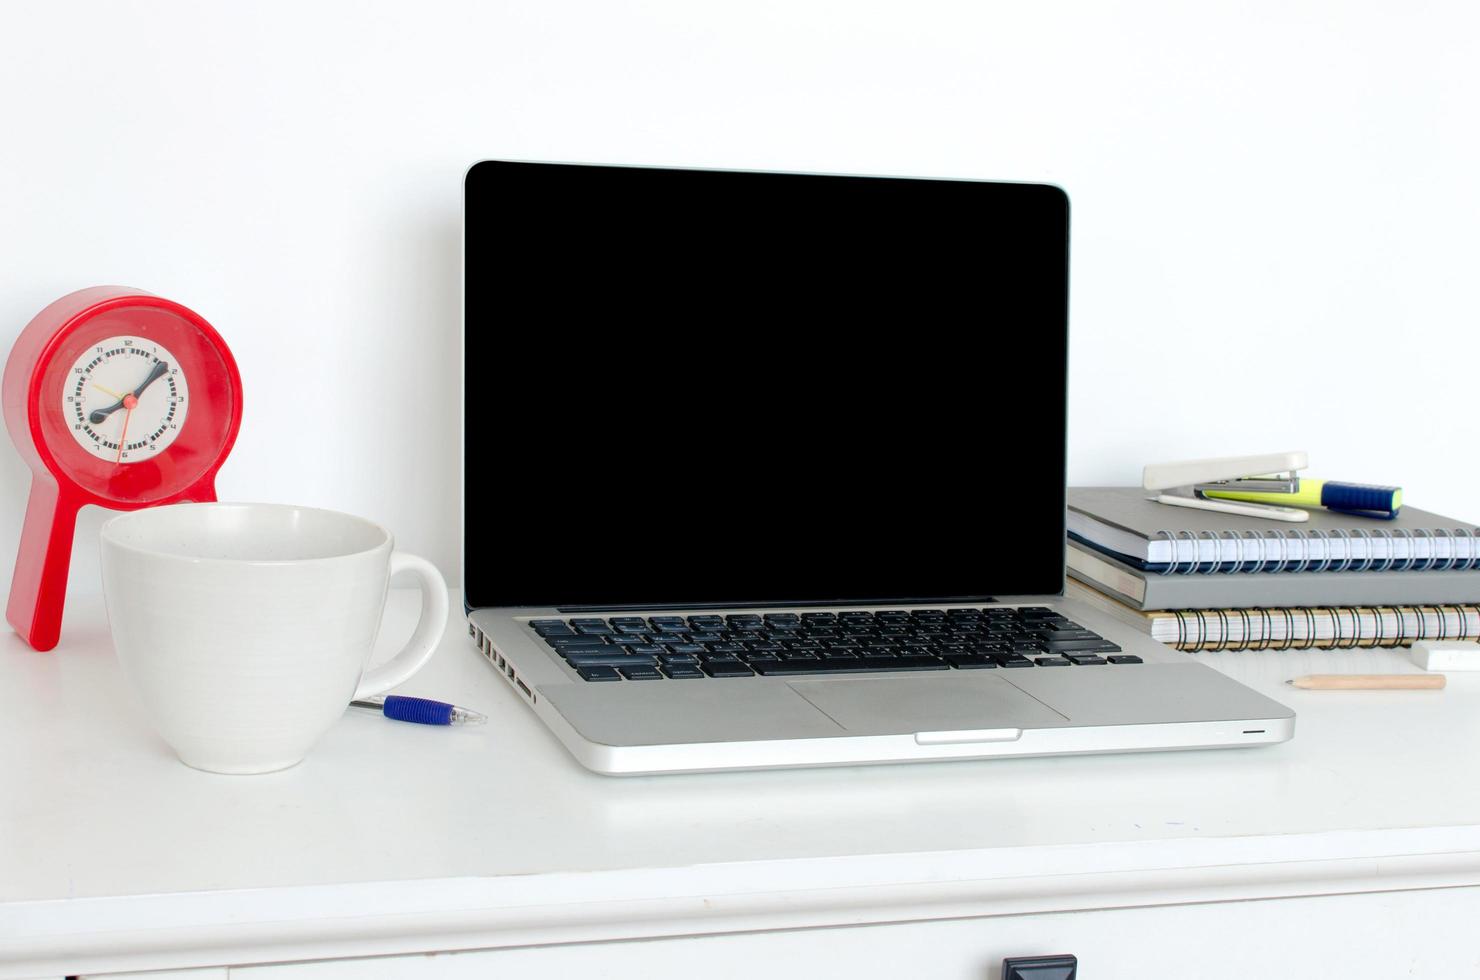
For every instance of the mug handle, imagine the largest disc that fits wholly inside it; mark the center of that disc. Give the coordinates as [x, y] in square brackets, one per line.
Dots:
[429, 629]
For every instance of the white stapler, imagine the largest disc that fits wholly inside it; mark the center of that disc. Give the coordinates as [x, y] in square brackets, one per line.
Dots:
[1185, 483]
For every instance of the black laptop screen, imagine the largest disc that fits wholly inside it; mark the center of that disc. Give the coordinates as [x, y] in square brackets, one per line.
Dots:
[721, 388]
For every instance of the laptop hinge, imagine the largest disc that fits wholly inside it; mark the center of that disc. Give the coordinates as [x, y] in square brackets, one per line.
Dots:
[959, 600]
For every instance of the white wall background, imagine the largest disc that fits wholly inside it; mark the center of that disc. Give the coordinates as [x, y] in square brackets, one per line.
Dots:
[1276, 205]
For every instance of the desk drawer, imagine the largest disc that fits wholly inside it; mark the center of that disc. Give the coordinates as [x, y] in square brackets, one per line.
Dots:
[1418, 933]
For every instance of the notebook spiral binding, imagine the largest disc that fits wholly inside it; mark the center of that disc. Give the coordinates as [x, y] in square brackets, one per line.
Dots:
[1196, 633]
[1264, 543]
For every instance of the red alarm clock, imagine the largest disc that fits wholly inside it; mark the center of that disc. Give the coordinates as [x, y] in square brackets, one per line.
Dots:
[118, 398]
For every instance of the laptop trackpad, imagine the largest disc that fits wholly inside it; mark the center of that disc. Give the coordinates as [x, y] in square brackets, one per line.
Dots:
[966, 701]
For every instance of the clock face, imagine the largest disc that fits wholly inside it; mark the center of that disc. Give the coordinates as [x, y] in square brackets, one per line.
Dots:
[125, 399]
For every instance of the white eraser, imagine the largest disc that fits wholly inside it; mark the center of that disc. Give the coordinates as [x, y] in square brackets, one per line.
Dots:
[1452, 655]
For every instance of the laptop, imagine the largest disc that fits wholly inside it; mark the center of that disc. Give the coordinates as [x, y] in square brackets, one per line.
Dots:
[768, 469]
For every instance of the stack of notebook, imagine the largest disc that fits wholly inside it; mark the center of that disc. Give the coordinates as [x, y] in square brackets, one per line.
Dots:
[1198, 579]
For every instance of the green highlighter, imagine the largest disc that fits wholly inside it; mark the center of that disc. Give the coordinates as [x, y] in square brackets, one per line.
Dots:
[1365, 499]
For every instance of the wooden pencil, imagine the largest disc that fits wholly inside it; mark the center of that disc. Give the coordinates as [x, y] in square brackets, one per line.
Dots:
[1369, 682]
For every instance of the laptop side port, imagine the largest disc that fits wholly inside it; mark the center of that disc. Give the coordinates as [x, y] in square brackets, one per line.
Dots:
[485, 646]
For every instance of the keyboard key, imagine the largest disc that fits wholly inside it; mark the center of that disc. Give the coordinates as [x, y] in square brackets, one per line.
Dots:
[970, 662]
[578, 642]
[727, 668]
[599, 673]
[1081, 646]
[1052, 662]
[614, 659]
[1126, 659]
[1082, 660]
[687, 649]
[859, 665]
[1012, 660]
[682, 671]
[641, 673]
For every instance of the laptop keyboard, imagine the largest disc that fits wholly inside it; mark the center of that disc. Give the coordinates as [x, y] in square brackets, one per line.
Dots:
[637, 648]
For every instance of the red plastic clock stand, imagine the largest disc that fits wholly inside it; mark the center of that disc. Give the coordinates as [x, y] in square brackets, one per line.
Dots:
[74, 432]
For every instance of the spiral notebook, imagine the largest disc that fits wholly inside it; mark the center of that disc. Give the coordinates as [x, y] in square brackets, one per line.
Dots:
[1298, 628]
[1152, 590]
[1123, 523]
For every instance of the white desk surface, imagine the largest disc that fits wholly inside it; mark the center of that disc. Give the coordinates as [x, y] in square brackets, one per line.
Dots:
[397, 838]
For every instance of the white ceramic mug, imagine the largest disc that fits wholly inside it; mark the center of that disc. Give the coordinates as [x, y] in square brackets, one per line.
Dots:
[247, 628]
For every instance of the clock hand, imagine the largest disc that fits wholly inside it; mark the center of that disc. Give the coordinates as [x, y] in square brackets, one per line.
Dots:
[101, 414]
[159, 371]
[130, 400]
[123, 436]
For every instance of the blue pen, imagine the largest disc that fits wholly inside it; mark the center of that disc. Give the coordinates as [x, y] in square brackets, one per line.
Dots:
[422, 711]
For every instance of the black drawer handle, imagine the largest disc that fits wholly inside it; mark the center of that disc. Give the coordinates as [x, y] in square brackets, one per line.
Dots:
[1064, 967]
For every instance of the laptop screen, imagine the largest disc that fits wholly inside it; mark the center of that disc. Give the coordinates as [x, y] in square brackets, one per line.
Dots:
[691, 388]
